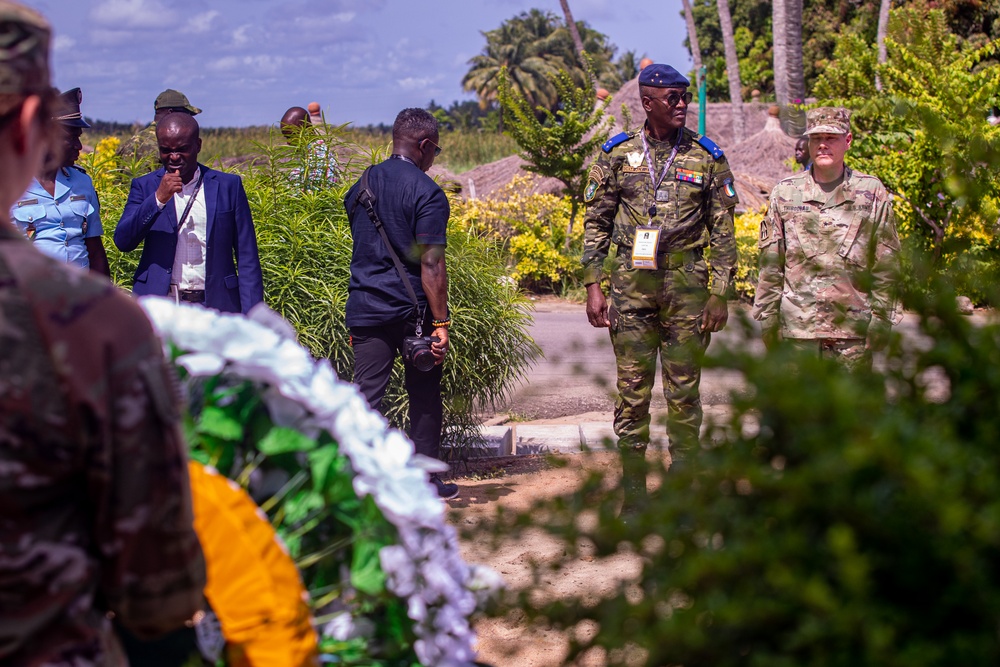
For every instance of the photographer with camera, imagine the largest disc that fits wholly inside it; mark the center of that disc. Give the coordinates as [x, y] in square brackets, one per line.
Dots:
[398, 292]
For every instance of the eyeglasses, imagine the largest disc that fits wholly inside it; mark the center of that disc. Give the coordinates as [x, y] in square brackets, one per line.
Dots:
[437, 149]
[673, 99]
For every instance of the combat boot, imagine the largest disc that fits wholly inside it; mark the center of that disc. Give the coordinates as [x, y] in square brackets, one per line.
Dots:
[633, 482]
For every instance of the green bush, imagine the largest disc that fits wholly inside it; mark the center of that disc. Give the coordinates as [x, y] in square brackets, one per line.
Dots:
[835, 519]
[305, 248]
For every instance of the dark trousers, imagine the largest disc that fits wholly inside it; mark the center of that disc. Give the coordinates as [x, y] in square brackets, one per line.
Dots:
[375, 349]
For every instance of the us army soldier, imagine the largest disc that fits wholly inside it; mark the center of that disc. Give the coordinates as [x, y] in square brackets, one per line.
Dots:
[662, 195]
[828, 252]
[95, 509]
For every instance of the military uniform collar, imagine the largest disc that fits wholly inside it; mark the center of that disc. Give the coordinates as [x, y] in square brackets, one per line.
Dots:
[842, 194]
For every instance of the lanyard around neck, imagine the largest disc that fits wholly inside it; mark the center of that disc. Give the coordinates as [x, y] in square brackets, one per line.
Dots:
[187, 209]
[649, 158]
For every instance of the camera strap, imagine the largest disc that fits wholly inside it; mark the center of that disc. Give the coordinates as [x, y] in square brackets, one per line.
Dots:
[366, 197]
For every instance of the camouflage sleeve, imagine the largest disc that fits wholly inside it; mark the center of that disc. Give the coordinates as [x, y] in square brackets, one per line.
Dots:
[771, 282]
[885, 265]
[153, 570]
[722, 238]
[601, 198]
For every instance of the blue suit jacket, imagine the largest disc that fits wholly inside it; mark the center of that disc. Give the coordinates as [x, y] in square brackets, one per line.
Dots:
[232, 267]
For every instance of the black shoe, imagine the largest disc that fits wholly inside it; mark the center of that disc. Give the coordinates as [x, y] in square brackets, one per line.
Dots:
[446, 490]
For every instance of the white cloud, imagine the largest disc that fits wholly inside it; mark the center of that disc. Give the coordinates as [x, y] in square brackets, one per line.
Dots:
[241, 36]
[63, 43]
[133, 14]
[200, 23]
[417, 83]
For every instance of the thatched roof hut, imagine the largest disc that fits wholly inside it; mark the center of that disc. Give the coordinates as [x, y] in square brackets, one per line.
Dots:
[487, 179]
[764, 154]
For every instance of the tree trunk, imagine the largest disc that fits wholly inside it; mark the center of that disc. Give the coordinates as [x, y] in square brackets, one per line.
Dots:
[732, 70]
[796, 71]
[692, 36]
[577, 42]
[779, 31]
[883, 28]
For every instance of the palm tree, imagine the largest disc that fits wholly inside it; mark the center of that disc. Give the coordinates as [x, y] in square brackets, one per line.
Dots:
[692, 38]
[732, 69]
[528, 47]
[883, 28]
[796, 119]
[779, 30]
[574, 32]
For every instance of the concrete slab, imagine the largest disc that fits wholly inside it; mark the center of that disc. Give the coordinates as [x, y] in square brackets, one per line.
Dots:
[540, 439]
[596, 435]
[499, 439]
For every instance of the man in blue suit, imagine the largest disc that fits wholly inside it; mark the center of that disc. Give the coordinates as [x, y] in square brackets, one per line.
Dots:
[195, 224]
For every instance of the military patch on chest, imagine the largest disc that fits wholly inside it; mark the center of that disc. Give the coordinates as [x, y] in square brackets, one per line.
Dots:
[78, 197]
[689, 176]
[634, 158]
[27, 202]
[796, 208]
[634, 170]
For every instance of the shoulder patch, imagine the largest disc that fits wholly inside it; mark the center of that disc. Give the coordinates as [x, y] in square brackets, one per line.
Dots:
[614, 141]
[711, 147]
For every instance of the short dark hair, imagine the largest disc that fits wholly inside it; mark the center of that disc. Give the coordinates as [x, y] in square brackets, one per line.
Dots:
[414, 124]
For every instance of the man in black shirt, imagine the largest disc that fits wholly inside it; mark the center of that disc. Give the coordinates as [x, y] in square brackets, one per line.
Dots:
[380, 310]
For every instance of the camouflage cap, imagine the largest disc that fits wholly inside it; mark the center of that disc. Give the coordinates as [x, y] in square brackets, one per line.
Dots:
[24, 50]
[828, 120]
[173, 99]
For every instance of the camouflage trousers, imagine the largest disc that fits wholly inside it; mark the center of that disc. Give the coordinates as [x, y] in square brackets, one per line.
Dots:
[658, 312]
[850, 352]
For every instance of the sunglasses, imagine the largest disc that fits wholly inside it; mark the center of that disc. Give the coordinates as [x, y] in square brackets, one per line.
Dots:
[437, 149]
[673, 99]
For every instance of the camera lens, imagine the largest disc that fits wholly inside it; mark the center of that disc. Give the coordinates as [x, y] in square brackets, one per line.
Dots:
[423, 360]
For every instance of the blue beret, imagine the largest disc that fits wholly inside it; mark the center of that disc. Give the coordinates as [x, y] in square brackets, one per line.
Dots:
[662, 76]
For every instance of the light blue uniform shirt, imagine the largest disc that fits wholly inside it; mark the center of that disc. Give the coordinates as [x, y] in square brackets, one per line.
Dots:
[59, 224]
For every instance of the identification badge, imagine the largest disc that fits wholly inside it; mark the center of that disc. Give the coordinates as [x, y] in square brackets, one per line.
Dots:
[644, 247]
[662, 195]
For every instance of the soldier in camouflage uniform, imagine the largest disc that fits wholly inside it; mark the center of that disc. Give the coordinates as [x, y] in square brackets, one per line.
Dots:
[95, 511]
[663, 195]
[828, 253]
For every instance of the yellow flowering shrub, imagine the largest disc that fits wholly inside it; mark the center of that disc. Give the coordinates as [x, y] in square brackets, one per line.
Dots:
[532, 230]
[747, 233]
[102, 165]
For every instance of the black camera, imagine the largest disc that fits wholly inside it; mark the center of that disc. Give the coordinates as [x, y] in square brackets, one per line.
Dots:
[417, 351]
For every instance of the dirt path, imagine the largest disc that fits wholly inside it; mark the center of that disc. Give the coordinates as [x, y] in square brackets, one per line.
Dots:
[520, 482]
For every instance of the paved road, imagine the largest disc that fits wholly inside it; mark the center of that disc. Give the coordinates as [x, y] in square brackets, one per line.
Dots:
[577, 372]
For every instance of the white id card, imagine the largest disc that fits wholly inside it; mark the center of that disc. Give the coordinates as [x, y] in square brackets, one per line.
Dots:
[644, 247]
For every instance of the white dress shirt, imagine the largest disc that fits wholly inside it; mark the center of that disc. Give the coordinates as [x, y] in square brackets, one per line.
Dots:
[189, 260]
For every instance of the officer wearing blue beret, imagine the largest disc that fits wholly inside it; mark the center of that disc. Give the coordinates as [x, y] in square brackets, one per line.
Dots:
[60, 212]
[663, 196]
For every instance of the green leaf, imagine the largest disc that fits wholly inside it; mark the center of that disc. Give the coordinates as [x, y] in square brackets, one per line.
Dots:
[281, 439]
[218, 423]
[366, 570]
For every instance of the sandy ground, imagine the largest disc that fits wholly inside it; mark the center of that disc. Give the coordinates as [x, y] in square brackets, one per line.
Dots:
[515, 483]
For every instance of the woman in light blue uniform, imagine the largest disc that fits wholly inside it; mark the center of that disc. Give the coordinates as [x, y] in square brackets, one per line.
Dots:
[60, 212]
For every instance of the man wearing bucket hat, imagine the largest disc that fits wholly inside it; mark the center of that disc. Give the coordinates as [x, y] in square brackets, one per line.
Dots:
[828, 252]
[142, 147]
[59, 212]
[95, 507]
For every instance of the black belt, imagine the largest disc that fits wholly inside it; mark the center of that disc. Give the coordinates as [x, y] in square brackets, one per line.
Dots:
[191, 295]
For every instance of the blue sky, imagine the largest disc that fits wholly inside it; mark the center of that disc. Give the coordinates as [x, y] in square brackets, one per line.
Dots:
[245, 61]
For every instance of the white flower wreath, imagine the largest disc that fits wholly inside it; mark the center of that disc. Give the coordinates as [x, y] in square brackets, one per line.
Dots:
[425, 568]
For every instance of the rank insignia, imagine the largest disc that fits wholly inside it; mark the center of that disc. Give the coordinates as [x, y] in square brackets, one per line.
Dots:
[689, 176]
[588, 194]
